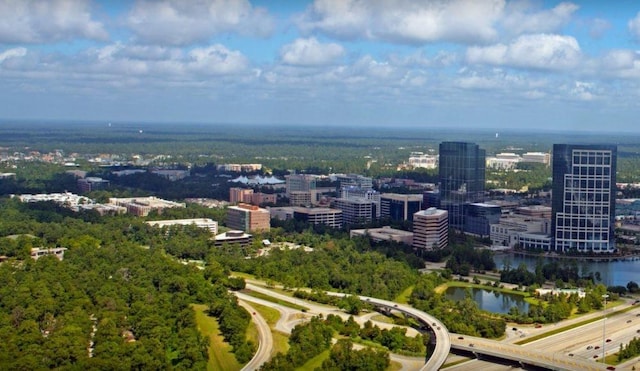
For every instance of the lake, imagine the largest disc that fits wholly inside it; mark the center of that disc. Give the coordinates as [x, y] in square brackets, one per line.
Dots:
[491, 301]
[613, 273]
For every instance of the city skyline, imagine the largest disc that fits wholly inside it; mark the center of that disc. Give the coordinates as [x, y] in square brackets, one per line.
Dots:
[477, 64]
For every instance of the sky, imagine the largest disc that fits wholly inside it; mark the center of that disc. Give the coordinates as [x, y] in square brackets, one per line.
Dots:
[499, 64]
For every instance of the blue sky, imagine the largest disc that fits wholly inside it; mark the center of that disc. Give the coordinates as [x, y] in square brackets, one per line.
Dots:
[456, 63]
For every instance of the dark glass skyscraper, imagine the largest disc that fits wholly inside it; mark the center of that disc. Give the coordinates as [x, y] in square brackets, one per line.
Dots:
[583, 198]
[462, 178]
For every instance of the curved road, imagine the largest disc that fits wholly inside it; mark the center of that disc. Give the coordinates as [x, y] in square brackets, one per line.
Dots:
[265, 344]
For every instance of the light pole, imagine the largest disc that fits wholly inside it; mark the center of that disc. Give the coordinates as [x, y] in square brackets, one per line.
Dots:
[604, 325]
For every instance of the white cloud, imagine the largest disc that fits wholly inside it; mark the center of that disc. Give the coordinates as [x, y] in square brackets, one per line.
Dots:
[12, 53]
[540, 51]
[634, 27]
[521, 17]
[405, 21]
[598, 27]
[310, 52]
[36, 21]
[583, 91]
[216, 60]
[178, 22]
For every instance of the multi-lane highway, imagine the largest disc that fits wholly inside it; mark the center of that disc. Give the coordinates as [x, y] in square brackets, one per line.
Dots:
[571, 350]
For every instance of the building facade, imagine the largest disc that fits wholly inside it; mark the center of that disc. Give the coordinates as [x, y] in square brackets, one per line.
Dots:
[583, 198]
[462, 178]
[248, 218]
[430, 229]
[319, 215]
[399, 207]
[356, 211]
[238, 195]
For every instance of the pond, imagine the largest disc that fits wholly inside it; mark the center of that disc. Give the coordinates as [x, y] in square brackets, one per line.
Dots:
[491, 301]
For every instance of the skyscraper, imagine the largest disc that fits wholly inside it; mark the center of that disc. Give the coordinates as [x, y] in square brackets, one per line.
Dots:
[583, 198]
[462, 178]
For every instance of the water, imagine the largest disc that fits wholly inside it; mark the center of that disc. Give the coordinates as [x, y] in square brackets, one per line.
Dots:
[612, 273]
[491, 301]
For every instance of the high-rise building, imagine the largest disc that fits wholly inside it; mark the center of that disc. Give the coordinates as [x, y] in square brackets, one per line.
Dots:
[583, 198]
[430, 229]
[356, 210]
[462, 178]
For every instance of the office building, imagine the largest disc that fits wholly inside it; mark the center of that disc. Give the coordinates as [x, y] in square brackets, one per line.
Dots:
[479, 217]
[301, 189]
[462, 178]
[238, 238]
[384, 234]
[319, 215]
[142, 206]
[536, 157]
[430, 229]
[248, 218]
[356, 210]
[205, 223]
[399, 207]
[583, 198]
[354, 180]
[240, 195]
[91, 183]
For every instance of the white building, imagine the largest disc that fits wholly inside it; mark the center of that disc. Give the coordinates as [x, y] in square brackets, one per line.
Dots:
[384, 234]
[206, 223]
[537, 157]
[430, 229]
[419, 160]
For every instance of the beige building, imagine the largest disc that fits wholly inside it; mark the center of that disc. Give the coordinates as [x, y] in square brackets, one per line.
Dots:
[430, 229]
[238, 195]
[142, 206]
[206, 223]
[249, 218]
[319, 215]
[384, 234]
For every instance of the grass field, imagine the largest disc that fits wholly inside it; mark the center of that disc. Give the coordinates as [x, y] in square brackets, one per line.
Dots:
[280, 340]
[403, 298]
[220, 356]
[314, 362]
[262, 296]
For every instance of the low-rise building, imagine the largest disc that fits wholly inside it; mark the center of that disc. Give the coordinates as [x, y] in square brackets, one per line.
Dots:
[92, 183]
[239, 238]
[205, 223]
[384, 234]
[58, 252]
[319, 215]
[142, 206]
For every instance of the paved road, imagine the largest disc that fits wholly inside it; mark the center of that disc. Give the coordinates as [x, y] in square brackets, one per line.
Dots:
[585, 342]
[265, 345]
[289, 318]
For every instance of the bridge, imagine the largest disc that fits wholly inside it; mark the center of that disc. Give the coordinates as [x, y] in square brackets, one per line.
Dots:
[524, 355]
[442, 338]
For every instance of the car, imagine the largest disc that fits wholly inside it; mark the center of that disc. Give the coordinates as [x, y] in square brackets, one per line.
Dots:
[471, 345]
[460, 337]
[538, 325]
[628, 321]
[595, 356]
[638, 331]
[611, 368]
[638, 315]
[597, 347]
[570, 354]
[438, 327]
[514, 329]
[608, 340]
[395, 305]
[590, 347]
[254, 313]
[433, 324]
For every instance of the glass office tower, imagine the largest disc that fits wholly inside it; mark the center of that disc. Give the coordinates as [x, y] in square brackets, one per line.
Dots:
[583, 198]
[462, 178]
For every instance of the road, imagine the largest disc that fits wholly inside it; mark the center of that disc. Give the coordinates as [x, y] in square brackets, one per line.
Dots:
[585, 342]
[265, 343]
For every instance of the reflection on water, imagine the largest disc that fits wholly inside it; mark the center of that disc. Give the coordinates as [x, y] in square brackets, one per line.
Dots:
[613, 273]
[491, 301]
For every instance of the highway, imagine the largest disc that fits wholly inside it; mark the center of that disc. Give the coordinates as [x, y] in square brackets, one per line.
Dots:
[585, 342]
[564, 351]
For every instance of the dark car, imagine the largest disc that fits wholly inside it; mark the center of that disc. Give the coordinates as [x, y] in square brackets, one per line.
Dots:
[460, 337]
[608, 340]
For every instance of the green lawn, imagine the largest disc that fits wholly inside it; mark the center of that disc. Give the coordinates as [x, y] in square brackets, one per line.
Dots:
[220, 356]
[262, 296]
[403, 298]
[280, 340]
[314, 362]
